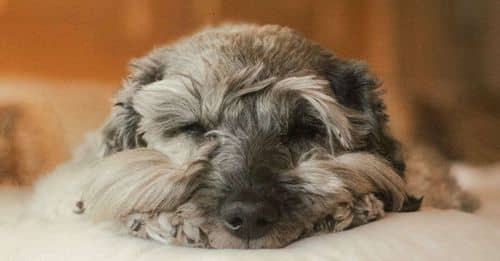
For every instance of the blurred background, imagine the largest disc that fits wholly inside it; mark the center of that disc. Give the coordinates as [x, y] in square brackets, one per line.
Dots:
[61, 61]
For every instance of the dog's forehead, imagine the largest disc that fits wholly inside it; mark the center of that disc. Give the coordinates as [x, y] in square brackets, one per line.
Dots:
[219, 61]
[245, 99]
[221, 76]
[244, 94]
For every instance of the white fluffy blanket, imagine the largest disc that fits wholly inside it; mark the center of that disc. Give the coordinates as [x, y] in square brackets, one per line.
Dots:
[426, 235]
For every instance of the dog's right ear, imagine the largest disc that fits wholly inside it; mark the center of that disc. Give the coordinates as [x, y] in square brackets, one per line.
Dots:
[121, 130]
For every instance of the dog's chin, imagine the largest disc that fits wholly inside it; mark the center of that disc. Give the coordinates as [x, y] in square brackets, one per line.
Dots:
[219, 237]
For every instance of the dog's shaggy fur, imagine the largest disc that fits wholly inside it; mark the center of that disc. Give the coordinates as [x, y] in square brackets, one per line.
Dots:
[241, 110]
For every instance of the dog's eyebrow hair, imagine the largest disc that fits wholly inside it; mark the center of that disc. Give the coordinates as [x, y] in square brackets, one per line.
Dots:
[331, 113]
[256, 87]
[194, 88]
[194, 82]
[171, 102]
[308, 87]
[244, 81]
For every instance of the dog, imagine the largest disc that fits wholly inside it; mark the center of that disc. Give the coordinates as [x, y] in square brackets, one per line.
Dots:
[240, 136]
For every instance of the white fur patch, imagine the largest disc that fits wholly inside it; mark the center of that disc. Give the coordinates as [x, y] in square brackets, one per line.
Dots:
[178, 149]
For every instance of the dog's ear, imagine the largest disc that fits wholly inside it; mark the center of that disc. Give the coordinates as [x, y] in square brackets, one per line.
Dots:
[121, 131]
[356, 89]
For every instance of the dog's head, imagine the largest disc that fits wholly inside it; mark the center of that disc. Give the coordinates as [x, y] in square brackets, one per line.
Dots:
[285, 131]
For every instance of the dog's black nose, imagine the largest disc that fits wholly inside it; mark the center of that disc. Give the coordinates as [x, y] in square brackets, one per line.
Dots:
[249, 219]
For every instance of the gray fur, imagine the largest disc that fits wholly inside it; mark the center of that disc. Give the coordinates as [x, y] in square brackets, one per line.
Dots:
[243, 108]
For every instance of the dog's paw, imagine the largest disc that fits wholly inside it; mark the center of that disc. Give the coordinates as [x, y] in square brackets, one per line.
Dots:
[366, 209]
[165, 227]
[155, 226]
[346, 215]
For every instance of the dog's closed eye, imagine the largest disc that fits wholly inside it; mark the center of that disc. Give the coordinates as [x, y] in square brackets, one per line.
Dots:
[194, 129]
[306, 129]
[305, 132]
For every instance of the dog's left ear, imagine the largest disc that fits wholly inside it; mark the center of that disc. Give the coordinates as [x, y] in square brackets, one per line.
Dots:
[356, 89]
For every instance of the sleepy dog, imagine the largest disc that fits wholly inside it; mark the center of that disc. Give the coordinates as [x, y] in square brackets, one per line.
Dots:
[241, 136]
